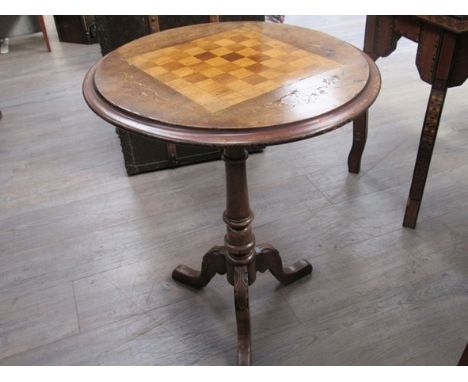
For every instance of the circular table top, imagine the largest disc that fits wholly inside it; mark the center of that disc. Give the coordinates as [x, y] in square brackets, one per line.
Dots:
[233, 83]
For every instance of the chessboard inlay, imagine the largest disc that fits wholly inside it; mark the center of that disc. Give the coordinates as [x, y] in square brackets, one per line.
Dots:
[224, 69]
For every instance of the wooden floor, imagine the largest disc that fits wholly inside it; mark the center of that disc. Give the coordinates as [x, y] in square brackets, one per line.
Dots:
[86, 252]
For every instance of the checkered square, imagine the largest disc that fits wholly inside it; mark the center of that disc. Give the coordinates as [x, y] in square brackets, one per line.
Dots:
[227, 68]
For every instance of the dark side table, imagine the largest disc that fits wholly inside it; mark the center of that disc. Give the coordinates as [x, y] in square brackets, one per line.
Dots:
[234, 85]
[442, 62]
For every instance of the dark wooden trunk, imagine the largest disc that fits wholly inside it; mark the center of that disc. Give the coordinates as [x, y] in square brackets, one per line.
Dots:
[143, 154]
[115, 31]
[77, 29]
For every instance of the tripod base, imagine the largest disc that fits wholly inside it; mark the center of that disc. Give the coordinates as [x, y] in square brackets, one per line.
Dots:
[217, 261]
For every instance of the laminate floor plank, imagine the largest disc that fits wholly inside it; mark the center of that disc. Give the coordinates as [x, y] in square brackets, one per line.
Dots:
[32, 319]
[161, 336]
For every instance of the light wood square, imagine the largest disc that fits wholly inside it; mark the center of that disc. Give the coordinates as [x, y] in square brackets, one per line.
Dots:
[195, 50]
[250, 43]
[167, 77]
[233, 98]
[238, 85]
[225, 42]
[190, 61]
[179, 84]
[224, 78]
[209, 101]
[191, 92]
[267, 86]
[212, 72]
[156, 71]
[243, 62]
[162, 60]
[221, 51]
[247, 52]
[211, 87]
[182, 72]
[229, 67]
[241, 73]
[217, 61]
[178, 55]
[201, 67]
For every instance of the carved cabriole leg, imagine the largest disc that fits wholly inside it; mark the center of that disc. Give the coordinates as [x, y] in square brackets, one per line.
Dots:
[359, 142]
[371, 37]
[380, 39]
[443, 50]
[239, 242]
[213, 262]
[268, 258]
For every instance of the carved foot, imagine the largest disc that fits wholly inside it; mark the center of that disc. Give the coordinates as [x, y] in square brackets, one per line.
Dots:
[213, 262]
[268, 258]
[241, 301]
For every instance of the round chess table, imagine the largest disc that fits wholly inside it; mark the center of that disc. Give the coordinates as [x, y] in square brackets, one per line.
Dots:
[234, 85]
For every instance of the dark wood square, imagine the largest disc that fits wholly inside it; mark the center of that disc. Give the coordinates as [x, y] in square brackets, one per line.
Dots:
[205, 56]
[232, 56]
